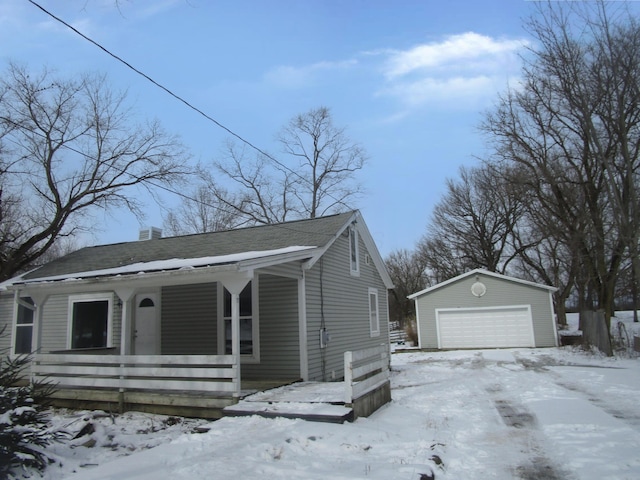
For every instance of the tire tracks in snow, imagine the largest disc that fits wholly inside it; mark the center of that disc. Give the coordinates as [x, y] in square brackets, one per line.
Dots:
[522, 429]
[630, 418]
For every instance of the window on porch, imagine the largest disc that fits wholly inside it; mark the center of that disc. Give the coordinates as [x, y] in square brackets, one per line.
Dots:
[23, 339]
[90, 322]
[248, 321]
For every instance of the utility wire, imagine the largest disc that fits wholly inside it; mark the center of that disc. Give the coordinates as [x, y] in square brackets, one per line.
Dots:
[177, 97]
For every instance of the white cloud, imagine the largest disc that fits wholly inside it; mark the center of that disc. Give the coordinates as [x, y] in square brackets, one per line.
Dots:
[451, 51]
[461, 70]
[295, 77]
[453, 89]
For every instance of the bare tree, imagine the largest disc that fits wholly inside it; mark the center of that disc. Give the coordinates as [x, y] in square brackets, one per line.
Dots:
[318, 177]
[262, 194]
[476, 220]
[440, 260]
[407, 270]
[327, 161]
[574, 128]
[201, 211]
[69, 149]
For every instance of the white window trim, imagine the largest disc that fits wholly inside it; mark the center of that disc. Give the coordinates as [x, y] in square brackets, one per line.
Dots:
[14, 330]
[353, 237]
[374, 292]
[255, 322]
[91, 297]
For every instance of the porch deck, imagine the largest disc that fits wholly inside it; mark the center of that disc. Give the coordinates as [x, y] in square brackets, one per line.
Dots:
[313, 401]
[187, 403]
[211, 386]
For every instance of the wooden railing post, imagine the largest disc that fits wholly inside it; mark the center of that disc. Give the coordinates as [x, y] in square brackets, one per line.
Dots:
[348, 377]
[121, 389]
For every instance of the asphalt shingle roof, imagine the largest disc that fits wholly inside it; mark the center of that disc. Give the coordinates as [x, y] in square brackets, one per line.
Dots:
[315, 232]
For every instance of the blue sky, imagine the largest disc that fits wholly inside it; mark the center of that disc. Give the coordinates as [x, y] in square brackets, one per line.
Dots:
[408, 79]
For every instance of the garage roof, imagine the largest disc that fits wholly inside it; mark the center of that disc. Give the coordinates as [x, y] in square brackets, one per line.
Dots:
[480, 271]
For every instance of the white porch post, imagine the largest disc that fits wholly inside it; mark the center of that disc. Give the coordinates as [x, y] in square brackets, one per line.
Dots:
[39, 299]
[235, 284]
[125, 295]
[235, 324]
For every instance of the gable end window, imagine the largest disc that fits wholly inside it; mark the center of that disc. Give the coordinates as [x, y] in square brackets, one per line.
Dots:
[90, 321]
[374, 317]
[23, 338]
[354, 262]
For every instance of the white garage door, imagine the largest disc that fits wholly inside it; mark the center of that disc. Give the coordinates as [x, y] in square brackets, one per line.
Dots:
[485, 328]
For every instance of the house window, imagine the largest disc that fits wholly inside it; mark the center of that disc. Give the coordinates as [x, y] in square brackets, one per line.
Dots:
[374, 318]
[23, 339]
[248, 321]
[353, 251]
[90, 321]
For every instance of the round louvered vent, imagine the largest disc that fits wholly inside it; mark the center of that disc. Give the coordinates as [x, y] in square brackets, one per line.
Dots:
[478, 289]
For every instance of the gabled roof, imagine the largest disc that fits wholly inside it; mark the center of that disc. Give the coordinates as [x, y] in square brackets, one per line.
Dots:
[480, 271]
[295, 240]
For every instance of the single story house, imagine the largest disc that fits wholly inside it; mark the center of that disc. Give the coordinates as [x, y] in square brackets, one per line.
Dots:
[482, 309]
[263, 305]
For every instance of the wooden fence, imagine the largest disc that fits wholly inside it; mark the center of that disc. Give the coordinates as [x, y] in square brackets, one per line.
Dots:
[214, 374]
[366, 379]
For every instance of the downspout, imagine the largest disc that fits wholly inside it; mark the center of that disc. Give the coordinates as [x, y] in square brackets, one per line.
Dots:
[302, 327]
[323, 326]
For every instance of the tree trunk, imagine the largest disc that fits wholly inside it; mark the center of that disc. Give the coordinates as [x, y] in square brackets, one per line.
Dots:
[595, 331]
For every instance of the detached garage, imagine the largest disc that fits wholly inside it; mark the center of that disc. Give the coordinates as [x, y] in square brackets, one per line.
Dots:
[482, 309]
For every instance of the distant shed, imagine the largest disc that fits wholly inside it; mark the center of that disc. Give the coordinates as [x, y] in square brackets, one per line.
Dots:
[482, 309]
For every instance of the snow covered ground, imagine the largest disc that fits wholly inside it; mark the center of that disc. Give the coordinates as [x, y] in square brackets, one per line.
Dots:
[557, 413]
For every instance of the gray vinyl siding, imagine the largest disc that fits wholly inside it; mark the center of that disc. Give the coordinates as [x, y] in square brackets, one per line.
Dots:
[116, 322]
[292, 270]
[55, 320]
[500, 293]
[54, 328]
[6, 322]
[346, 309]
[278, 325]
[188, 320]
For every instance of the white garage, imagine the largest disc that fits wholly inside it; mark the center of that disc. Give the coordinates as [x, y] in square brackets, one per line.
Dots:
[483, 309]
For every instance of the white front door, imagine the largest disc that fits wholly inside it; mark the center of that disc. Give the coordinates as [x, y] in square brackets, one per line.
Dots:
[146, 325]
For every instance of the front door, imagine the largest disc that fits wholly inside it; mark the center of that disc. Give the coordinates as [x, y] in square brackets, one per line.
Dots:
[146, 325]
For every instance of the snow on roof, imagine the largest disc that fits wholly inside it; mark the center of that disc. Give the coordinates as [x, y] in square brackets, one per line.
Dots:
[171, 264]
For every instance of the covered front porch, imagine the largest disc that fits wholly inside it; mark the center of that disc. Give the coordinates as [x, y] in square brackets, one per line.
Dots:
[210, 387]
[184, 385]
[194, 339]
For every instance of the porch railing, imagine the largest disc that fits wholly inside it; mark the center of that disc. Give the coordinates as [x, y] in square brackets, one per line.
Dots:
[364, 371]
[214, 374]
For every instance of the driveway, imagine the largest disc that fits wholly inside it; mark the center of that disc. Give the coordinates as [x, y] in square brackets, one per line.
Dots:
[525, 413]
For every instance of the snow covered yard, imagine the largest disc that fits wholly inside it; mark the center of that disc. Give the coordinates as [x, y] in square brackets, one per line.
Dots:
[493, 414]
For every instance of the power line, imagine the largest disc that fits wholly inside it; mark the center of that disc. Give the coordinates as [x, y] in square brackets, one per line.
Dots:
[179, 98]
